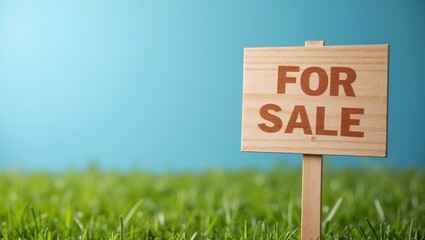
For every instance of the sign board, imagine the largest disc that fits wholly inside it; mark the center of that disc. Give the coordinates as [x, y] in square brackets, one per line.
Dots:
[316, 100]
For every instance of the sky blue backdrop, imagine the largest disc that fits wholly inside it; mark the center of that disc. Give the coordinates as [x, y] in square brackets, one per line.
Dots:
[158, 84]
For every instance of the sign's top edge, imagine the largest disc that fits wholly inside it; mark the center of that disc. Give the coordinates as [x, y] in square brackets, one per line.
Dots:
[326, 46]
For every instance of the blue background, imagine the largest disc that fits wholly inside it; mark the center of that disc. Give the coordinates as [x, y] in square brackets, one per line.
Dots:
[158, 84]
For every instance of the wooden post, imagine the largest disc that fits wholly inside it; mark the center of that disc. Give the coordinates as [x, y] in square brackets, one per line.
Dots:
[311, 206]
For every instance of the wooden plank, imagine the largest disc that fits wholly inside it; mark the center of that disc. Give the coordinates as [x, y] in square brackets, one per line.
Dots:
[334, 128]
[311, 207]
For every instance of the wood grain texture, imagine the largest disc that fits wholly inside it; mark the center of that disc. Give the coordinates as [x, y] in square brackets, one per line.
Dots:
[260, 87]
[311, 209]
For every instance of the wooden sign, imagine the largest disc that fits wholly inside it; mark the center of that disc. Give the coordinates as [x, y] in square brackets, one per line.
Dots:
[316, 100]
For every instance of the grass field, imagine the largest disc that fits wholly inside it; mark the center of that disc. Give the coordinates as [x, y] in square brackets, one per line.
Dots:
[246, 204]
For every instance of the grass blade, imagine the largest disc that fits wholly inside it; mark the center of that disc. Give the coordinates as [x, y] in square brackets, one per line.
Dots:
[333, 211]
[46, 234]
[373, 230]
[379, 209]
[245, 231]
[19, 233]
[122, 229]
[132, 211]
[79, 224]
[35, 221]
[194, 236]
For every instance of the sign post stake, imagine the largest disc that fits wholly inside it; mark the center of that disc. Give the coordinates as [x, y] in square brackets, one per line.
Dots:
[311, 208]
[311, 198]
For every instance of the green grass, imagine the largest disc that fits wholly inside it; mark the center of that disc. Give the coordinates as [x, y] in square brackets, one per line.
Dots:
[248, 204]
